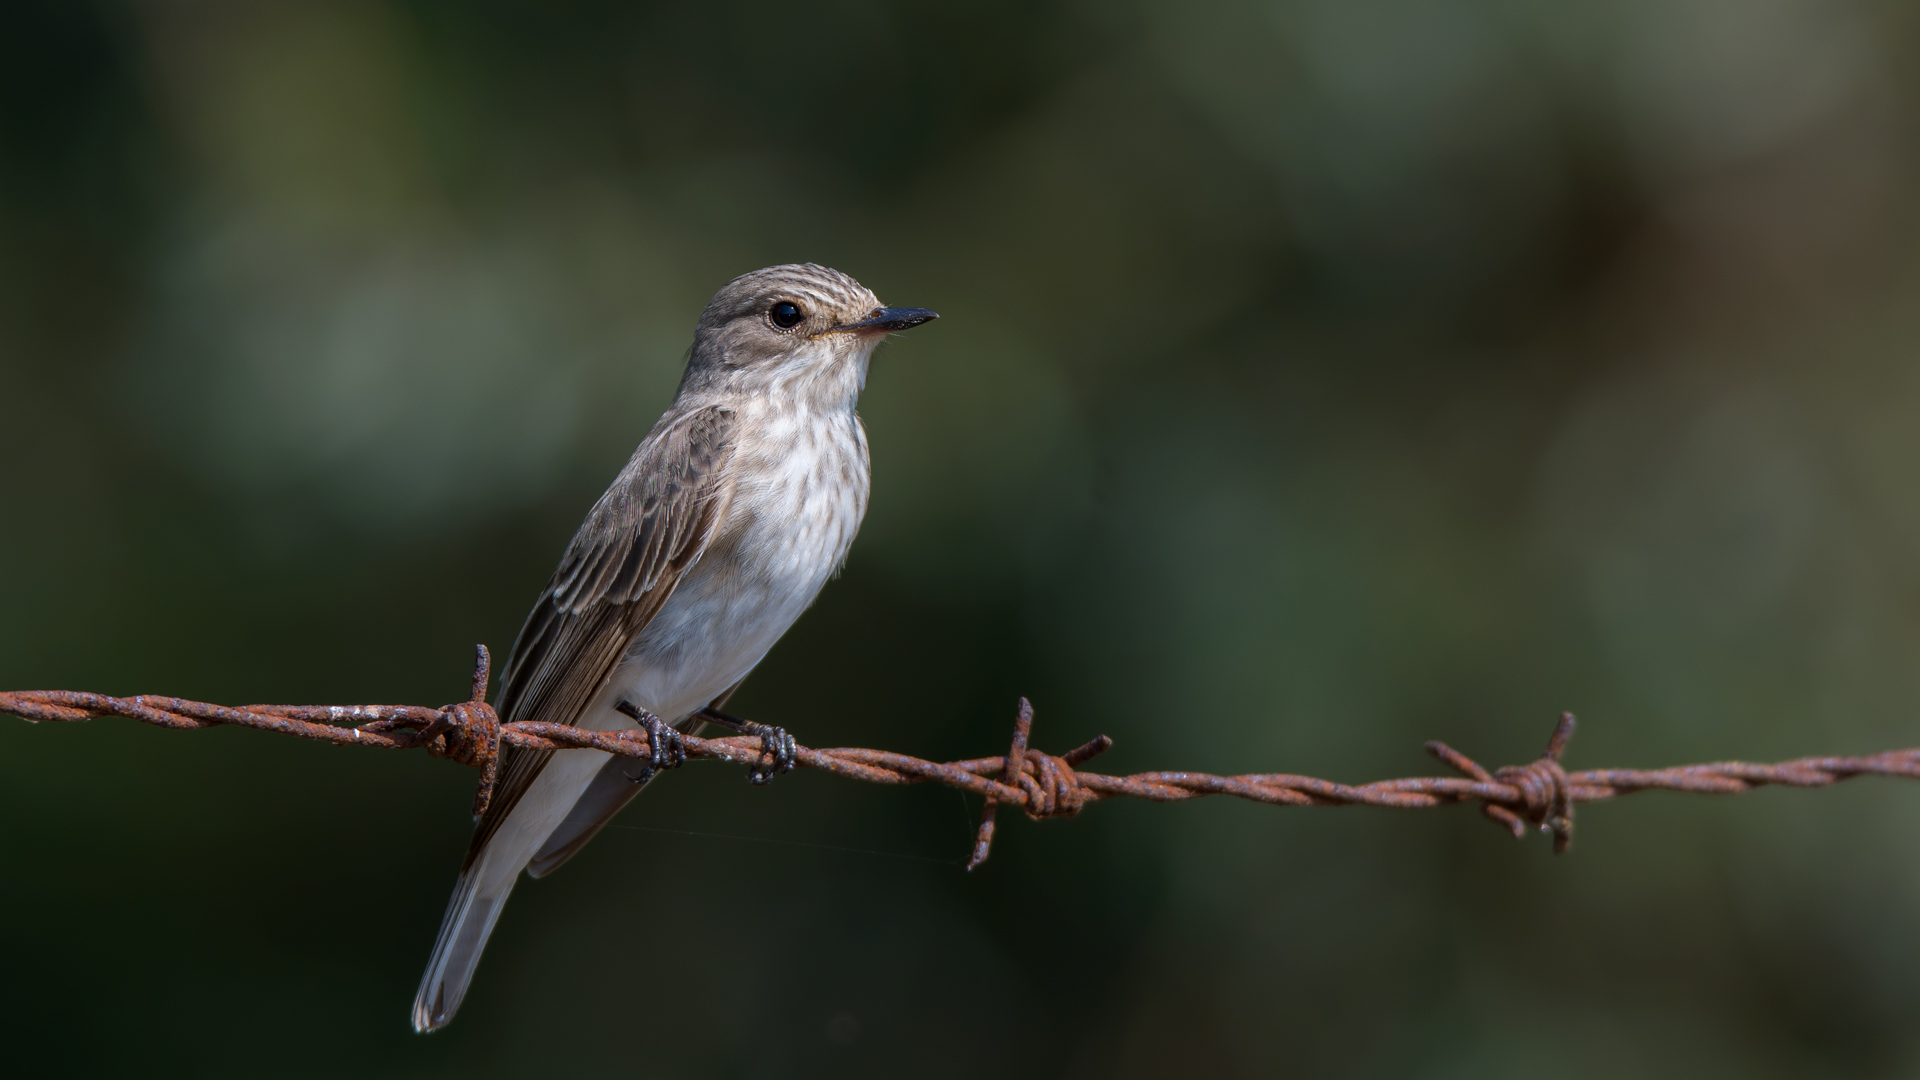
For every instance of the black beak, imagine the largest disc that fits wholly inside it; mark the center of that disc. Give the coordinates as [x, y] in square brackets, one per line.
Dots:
[889, 319]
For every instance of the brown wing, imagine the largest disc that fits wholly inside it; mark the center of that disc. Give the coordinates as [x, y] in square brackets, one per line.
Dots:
[630, 553]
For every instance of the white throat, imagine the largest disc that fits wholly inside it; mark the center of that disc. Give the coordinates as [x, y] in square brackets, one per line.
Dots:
[824, 374]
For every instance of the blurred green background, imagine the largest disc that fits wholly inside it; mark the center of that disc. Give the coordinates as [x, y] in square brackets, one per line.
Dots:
[1314, 378]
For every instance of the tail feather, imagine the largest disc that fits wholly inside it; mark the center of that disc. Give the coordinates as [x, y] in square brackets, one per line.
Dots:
[463, 935]
[488, 878]
[571, 780]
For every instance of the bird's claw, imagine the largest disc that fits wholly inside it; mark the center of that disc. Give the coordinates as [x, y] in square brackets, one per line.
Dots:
[665, 750]
[777, 751]
[668, 751]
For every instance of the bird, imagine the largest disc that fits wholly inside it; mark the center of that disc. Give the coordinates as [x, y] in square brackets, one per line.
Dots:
[733, 513]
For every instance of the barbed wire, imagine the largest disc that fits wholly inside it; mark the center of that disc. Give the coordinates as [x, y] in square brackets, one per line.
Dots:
[1541, 793]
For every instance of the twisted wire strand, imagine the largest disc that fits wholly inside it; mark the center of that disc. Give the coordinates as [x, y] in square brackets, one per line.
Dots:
[1540, 793]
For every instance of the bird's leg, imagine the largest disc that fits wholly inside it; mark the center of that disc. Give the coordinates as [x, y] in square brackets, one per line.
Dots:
[665, 750]
[777, 748]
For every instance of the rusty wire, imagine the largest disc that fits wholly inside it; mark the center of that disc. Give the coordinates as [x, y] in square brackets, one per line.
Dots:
[1540, 793]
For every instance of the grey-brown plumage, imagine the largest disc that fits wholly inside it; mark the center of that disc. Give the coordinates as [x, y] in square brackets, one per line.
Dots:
[721, 530]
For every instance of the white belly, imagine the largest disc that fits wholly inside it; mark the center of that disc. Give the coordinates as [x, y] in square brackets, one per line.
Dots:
[716, 627]
[786, 533]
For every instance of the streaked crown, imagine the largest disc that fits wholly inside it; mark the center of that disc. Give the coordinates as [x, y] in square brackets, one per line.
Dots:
[823, 298]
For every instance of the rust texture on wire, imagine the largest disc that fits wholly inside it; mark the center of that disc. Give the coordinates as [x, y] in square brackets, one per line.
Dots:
[1541, 794]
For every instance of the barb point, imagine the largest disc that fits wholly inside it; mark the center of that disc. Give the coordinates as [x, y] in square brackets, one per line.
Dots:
[482, 673]
[1562, 732]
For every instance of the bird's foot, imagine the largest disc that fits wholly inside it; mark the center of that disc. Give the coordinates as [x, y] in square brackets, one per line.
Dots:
[665, 750]
[777, 751]
[777, 748]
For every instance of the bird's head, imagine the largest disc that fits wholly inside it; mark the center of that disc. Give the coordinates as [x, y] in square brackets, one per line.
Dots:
[798, 328]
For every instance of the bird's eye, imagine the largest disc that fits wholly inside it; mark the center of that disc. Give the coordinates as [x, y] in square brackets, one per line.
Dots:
[786, 314]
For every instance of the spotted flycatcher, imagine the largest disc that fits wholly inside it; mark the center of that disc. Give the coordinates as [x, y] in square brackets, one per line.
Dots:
[721, 530]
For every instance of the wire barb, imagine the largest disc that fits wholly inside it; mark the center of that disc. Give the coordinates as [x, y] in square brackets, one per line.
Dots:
[469, 733]
[1541, 793]
[1010, 771]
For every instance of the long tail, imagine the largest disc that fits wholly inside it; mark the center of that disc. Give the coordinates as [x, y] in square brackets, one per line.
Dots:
[575, 794]
[488, 878]
[475, 907]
